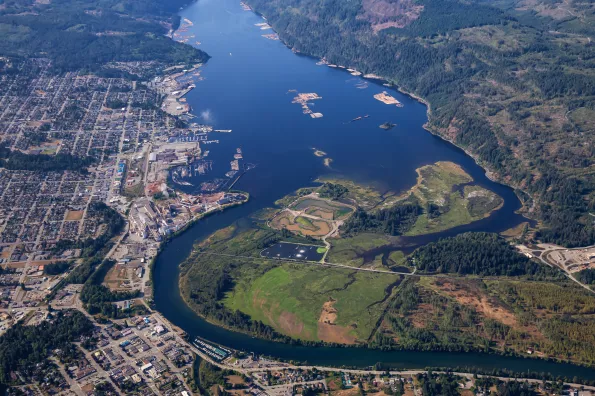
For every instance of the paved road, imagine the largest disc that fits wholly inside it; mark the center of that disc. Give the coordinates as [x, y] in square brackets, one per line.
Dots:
[74, 386]
[403, 373]
[100, 371]
[249, 371]
[286, 389]
[335, 223]
[562, 267]
[327, 264]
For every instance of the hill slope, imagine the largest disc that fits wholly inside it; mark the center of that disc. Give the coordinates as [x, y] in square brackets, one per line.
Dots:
[511, 81]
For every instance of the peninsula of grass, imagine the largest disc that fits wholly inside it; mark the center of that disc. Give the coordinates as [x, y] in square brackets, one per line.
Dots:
[450, 200]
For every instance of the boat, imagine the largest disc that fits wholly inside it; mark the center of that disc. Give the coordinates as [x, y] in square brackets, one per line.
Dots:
[387, 125]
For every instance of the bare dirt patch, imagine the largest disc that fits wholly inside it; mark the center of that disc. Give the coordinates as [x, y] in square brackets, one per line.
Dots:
[74, 215]
[321, 213]
[290, 324]
[347, 392]
[322, 227]
[422, 316]
[334, 333]
[235, 379]
[327, 329]
[487, 306]
[470, 296]
[383, 14]
[119, 277]
[329, 312]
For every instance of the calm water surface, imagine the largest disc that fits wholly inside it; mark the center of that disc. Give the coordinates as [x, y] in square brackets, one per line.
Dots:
[245, 88]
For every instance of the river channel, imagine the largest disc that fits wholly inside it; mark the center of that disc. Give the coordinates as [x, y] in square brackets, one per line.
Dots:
[248, 87]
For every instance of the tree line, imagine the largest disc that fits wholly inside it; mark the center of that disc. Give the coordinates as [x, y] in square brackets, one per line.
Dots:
[395, 220]
[473, 253]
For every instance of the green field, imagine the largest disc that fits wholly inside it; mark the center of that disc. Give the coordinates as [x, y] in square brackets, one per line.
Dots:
[348, 251]
[290, 298]
[398, 259]
[439, 185]
[273, 300]
[342, 213]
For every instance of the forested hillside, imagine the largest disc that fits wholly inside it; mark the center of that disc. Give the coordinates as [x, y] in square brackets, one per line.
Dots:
[85, 34]
[511, 81]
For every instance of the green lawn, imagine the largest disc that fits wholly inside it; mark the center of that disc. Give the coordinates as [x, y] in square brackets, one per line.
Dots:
[346, 250]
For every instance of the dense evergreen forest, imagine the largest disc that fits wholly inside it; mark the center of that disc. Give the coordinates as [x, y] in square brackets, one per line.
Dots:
[57, 268]
[205, 376]
[442, 384]
[84, 34]
[505, 80]
[475, 253]
[16, 160]
[395, 220]
[332, 191]
[586, 276]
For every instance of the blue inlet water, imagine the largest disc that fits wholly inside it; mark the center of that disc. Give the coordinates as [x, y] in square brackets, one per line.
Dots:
[248, 87]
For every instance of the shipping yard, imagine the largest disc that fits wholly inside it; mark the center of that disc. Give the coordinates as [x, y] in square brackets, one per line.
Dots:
[134, 144]
[120, 199]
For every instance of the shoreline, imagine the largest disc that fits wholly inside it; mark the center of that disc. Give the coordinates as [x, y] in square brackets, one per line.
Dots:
[491, 175]
[323, 344]
[185, 228]
[427, 127]
[463, 371]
